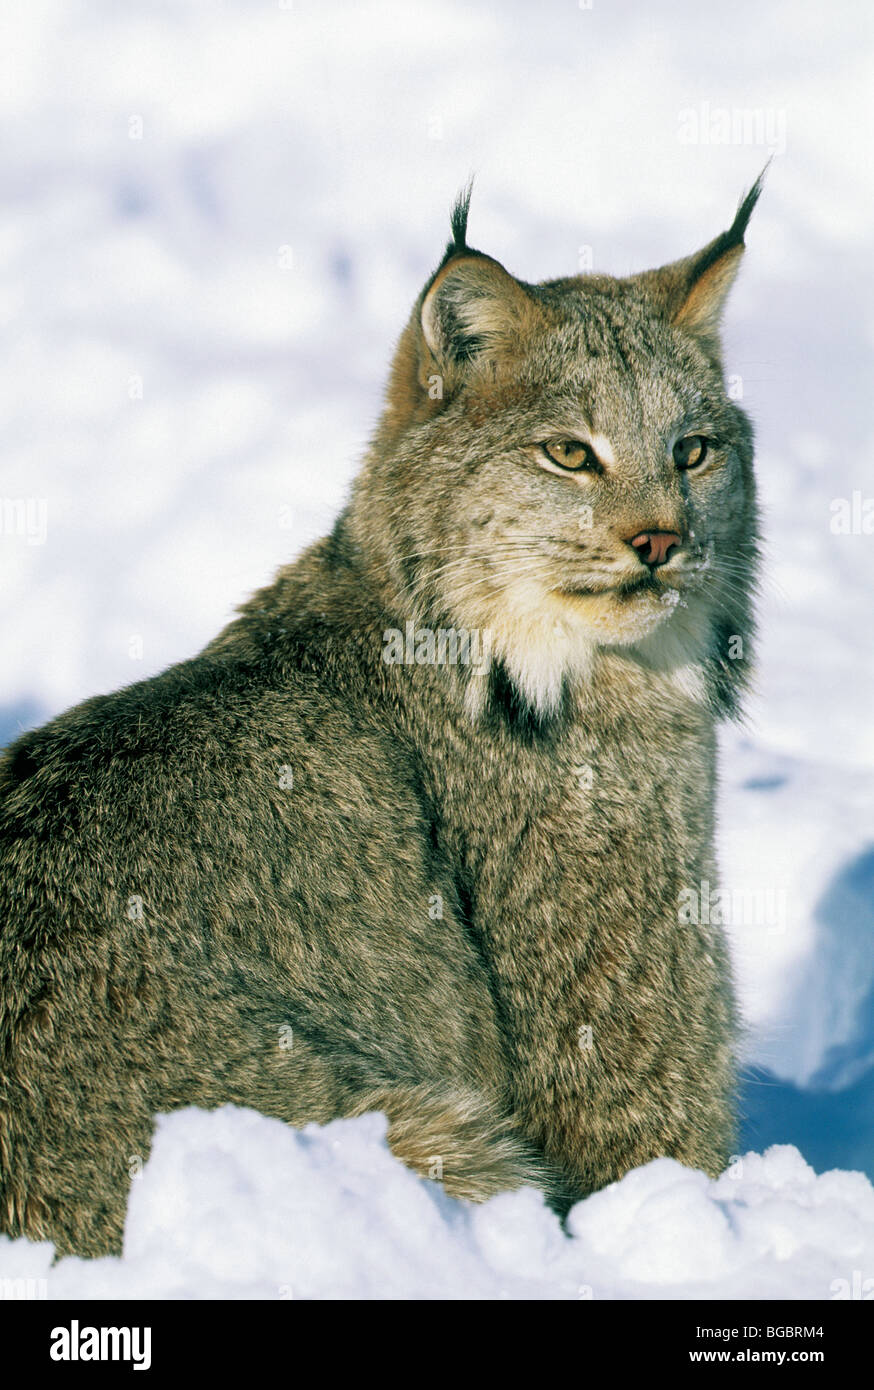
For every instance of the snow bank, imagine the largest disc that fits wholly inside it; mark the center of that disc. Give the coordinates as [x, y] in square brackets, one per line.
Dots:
[234, 1205]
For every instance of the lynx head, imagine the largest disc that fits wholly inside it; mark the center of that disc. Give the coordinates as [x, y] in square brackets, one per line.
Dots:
[562, 464]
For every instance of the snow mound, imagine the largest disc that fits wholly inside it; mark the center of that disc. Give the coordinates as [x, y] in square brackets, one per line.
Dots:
[234, 1205]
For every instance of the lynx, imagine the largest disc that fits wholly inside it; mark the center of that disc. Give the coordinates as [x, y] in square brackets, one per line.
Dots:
[294, 875]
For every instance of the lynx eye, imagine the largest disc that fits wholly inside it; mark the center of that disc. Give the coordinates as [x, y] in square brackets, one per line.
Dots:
[570, 454]
[691, 451]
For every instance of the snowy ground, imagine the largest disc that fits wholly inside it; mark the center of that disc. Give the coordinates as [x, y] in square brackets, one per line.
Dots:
[234, 1205]
[213, 220]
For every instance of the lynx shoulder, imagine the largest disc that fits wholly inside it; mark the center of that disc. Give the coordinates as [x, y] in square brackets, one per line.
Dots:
[416, 831]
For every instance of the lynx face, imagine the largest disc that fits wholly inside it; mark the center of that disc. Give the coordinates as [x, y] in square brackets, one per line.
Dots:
[579, 478]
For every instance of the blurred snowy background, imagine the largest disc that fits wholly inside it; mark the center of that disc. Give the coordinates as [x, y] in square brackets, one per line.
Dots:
[213, 220]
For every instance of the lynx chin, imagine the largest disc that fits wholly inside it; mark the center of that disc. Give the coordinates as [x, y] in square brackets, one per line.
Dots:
[287, 807]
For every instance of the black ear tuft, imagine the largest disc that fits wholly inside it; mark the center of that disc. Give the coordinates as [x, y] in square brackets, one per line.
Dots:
[458, 222]
[735, 234]
[745, 208]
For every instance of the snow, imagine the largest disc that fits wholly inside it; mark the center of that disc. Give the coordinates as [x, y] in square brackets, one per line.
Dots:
[213, 223]
[234, 1205]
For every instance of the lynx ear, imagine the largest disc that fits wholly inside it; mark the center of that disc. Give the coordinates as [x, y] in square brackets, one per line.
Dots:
[471, 315]
[473, 307]
[692, 292]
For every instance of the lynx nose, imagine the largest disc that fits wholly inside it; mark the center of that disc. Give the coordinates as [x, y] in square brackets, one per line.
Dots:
[654, 547]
